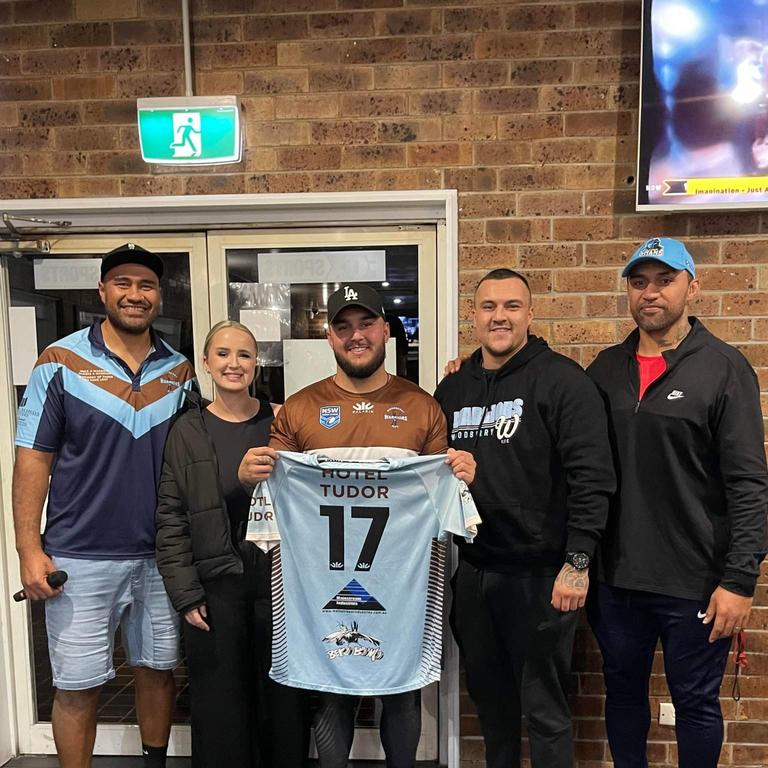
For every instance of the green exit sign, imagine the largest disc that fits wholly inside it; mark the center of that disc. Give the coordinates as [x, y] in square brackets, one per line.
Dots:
[191, 130]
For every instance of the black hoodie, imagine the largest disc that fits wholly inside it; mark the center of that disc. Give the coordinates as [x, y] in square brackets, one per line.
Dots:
[691, 507]
[537, 428]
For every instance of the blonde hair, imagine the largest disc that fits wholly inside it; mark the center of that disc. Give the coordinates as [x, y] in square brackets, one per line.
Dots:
[220, 326]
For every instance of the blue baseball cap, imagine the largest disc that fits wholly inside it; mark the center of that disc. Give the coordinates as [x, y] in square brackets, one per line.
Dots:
[664, 249]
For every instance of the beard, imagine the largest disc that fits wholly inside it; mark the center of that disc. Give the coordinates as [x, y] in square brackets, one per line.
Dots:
[361, 370]
[659, 322]
[134, 325]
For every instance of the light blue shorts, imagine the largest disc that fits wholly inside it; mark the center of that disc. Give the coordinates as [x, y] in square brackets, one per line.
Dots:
[98, 596]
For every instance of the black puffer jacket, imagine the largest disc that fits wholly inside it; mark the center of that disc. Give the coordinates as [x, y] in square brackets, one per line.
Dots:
[194, 541]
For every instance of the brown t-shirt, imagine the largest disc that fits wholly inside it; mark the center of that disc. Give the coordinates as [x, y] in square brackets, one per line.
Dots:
[398, 419]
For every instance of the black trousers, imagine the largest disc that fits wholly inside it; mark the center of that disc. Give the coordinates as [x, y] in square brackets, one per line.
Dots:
[240, 717]
[517, 655]
[628, 624]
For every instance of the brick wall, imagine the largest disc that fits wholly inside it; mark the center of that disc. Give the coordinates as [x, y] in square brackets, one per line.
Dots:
[529, 109]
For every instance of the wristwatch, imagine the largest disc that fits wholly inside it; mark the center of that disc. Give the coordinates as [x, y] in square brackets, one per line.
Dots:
[579, 560]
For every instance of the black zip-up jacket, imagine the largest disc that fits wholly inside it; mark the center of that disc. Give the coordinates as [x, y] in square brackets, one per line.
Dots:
[194, 540]
[690, 512]
[537, 428]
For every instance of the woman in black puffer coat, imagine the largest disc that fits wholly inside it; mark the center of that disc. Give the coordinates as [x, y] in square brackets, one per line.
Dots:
[217, 580]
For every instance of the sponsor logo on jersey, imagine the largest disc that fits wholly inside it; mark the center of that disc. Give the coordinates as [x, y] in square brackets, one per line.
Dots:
[394, 416]
[354, 598]
[330, 416]
[499, 421]
[353, 642]
[362, 407]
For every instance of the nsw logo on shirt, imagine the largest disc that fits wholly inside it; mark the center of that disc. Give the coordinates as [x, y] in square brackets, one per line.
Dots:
[330, 416]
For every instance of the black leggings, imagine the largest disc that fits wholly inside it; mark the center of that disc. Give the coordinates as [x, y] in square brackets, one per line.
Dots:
[399, 730]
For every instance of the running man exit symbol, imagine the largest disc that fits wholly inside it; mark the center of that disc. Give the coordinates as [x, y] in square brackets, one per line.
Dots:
[187, 136]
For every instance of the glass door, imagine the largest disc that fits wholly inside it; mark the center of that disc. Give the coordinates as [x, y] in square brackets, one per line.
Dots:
[45, 299]
[278, 282]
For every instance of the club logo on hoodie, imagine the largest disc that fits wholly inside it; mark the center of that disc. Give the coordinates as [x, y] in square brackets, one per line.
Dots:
[500, 420]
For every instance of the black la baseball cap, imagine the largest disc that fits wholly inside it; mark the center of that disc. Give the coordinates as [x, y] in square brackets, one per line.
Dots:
[354, 295]
[130, 253]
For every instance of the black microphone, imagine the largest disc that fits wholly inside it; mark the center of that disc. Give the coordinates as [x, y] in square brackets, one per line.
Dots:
[54, 578]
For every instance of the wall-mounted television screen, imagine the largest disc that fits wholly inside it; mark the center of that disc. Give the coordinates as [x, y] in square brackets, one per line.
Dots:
[703, 105]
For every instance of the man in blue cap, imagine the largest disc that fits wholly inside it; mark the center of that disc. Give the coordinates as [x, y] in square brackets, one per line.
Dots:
[687, 531]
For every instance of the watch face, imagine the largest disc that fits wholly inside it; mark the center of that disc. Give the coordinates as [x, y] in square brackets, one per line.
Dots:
[579, 560]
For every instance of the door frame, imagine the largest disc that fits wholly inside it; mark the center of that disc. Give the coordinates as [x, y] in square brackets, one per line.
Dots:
[367, 745]
[213, 212]
[32, 737]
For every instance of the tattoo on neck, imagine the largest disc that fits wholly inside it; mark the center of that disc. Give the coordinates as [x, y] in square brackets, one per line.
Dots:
[682, 332]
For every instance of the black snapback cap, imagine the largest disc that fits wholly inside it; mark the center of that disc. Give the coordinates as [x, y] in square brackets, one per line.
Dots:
[130, 253]
[354, 295]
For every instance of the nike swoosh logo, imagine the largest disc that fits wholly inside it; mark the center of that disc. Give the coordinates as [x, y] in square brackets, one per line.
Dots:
[701, 615]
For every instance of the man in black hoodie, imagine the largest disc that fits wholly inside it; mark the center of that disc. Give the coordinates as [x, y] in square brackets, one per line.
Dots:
[537, 428]
[687, 529]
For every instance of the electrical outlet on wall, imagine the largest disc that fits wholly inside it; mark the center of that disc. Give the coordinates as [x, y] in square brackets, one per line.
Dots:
[666, 713]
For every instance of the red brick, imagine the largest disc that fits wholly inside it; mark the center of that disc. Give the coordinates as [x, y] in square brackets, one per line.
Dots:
[217, 30]
[472, 19]
[79, 35]
[487, 257]
[507, 230]
[409, 22]
[400, 76]
[32, 188]
[475, 73]
[85, 87]
[47, 11]
[469, 127]
[219, 184]
[55, 62]
[585, 228]
[151, 185]
[602, 42]
[276, 81]
[49, 114]
[440, 154]
[146, 32]
[374, 156]
[311, 52]
[745, 304]
[531, 177]
[409, 130]
[236, 55]
[511, 46]
[550, 255]
[343, 131]
[85, 138]
[329, 25]
[497, 100]
[276, 132]
[340, 79]
[15, 139]
[76, 186]
[607, 70]
[538, 16]
[306, 106]
[273, 27]
[728, 278]
[745, 251]
[586, 280]
[439, 48]
[487, 205]
[121, 59]
[602, 15]
[440, 102]
[373, 105]
[374, 51]
[53, 164]
[471, 179]
[20, 38]
[146, 84]
[503, 153]
[550, 203]
[530, 126]
[308, 158]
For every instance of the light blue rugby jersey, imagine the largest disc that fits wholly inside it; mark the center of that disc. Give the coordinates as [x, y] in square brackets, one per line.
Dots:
[357, 583]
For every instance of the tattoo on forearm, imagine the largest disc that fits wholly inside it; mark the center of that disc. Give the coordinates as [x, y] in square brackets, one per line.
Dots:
[572, 578]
